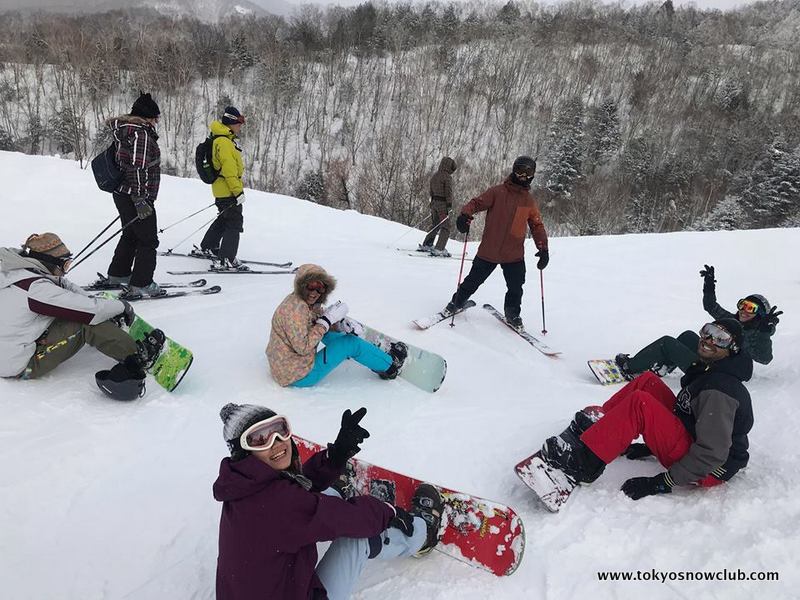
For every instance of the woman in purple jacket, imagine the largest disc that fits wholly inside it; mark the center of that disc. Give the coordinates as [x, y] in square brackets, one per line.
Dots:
[275, 510]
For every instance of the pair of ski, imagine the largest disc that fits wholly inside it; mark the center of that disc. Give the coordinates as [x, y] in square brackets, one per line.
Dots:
[228, 271]
[193, 288]
[531, 339]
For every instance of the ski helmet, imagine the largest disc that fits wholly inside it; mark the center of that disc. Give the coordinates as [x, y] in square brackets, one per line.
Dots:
[763, 303]
[525, 165]
[120, 384]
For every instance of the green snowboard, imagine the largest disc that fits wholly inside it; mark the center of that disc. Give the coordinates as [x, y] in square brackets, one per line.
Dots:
[172, 363]
[422, 368]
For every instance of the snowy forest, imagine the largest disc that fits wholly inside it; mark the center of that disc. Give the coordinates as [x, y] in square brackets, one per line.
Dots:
[642, 119]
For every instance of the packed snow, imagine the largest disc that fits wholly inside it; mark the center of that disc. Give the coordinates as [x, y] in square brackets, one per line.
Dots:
[108, 500]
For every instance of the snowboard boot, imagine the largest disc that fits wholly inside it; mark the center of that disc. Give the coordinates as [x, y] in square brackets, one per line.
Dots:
[398, 352]
[427, 504]
[662, 370]
[424, 248]
[440, 253]
[149, 349]
[570, 455]
[135, 292]
[622, 364]
[583, 420]
[124, 381]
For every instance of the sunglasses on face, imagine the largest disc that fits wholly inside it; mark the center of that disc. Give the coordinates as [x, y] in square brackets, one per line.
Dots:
[524, 175]
[718, 336]
[316, 286]
[263, 435]
[748, 306]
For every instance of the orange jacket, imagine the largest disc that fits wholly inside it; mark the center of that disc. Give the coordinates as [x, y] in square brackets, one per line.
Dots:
[510, 207]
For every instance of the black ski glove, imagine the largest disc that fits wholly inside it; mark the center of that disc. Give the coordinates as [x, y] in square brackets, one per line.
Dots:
[544, 258]
[708, 278]
[127, 316]
[462, 222]
[403, 520]
[350, 436]
[637, 488]
[637, 451]
[770, 320]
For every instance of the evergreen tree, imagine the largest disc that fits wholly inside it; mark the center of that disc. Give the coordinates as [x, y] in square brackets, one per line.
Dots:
[566, 142]
[311, 187]
[6, 141]
[771, 192]
[604, 135]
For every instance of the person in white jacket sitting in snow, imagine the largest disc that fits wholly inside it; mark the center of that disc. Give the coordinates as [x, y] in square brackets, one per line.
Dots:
[45, 319]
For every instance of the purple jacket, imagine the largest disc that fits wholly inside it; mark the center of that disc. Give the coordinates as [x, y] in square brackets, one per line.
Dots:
[270, 526]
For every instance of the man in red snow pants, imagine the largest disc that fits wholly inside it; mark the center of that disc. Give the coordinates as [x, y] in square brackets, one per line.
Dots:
[700, 436]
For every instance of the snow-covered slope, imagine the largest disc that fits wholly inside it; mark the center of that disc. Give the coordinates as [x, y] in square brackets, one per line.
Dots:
[113, 501]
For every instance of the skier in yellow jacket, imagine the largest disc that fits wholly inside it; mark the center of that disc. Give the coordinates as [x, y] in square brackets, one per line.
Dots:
[221, 241]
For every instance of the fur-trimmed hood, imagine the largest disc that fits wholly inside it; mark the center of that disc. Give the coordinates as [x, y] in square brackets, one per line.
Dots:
[311, 272]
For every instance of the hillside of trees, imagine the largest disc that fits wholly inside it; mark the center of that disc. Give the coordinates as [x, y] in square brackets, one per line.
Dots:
[642, 119]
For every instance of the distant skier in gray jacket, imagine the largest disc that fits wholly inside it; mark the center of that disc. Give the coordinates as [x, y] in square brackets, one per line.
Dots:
[45, 319]
[441, 187]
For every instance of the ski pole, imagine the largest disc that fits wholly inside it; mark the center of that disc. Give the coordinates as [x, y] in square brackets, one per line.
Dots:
[95, 238]
[185, 218]
[460, 272]
[169, 250]
[414, 225]
[541, 286]
[111, 237]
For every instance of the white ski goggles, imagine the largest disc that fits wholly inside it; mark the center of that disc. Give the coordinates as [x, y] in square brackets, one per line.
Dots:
[263, 435]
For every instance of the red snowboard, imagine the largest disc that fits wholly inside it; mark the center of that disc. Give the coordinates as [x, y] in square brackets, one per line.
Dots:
[479, 532]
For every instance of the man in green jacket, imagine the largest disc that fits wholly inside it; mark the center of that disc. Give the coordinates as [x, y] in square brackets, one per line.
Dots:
[221, 241]
[757, 318]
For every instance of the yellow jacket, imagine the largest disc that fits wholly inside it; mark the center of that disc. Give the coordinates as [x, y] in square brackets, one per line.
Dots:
[227, 158]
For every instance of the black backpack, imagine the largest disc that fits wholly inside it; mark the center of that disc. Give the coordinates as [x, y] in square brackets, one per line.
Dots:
[107, 173]
[203, 161]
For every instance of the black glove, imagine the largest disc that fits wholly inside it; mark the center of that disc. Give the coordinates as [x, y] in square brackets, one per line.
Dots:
[637, 488]
[637, 451]
[708, 278]
[462, 222]
[350, 436]
[403, 520]
[544, 258]
[770, 320]
[143, 208]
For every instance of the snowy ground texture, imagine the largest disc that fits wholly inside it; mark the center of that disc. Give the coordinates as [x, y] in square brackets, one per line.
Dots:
[105, 500]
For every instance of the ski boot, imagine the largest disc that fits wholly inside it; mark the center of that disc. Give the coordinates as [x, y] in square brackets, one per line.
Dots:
[513, 319]
[204, 253]
[424, 248]
[133, 292]
[398, 352]
[427, 504]
[229, 264]
[440, 253]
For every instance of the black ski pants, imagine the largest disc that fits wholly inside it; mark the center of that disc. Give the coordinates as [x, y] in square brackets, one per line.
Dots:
[514, 274]
[135, 255]
[667, 351]
[222, 237]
